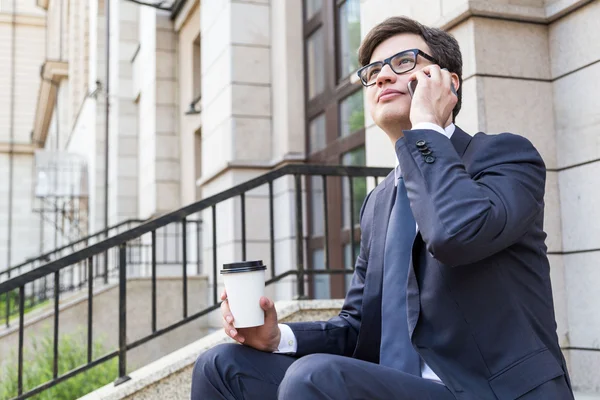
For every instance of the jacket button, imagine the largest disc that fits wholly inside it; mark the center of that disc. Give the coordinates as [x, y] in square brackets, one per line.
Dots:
[420, 143]
[429, 159]
[426, 152]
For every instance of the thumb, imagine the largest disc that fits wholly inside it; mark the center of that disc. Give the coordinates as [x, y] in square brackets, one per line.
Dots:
[269, 307]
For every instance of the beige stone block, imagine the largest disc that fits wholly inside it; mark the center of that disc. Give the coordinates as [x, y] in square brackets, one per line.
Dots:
[217, 38]
[582, 272]
[583, 367]
[127, 50]
[371, 15]
[127, 167]
[552, 222]
[129, 32]
[128, 107]
[218, 76]
[216, 149]
[452, 6]
[251, 100]
[166, 40]
[579, 193]
[426, 12]
[524, 108]
[128, 12]
[166, 119]
[210, 11]
[167, 147]
[147, 200]
[217, 111]
[559, 295]
[251, 64]
[575, 40]
[167, 196]
[250, 24]
[471, 116]
[379, 150]
[167, 170]
[464, 34]
[257, 219]
[511, 48]
[252, 139]
[127, 187]
[166, 65]
[128, 125]
[163, 20]
[166, 92]
[577, 123]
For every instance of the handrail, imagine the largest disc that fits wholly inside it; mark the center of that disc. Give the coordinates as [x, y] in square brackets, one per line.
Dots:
[44, 256]
[178, 215]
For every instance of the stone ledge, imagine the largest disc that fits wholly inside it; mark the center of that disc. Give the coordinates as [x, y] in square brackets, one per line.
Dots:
[185, 357]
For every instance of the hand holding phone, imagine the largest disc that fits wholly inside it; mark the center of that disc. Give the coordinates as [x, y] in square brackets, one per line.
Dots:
[412, 86]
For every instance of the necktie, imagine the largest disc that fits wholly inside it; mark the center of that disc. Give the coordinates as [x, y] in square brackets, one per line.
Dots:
[396, 349]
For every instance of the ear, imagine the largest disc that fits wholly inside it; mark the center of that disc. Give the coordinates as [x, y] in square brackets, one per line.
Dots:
[456, 81]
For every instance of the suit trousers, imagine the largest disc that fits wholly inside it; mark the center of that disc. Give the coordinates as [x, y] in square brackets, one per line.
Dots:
[236, 372]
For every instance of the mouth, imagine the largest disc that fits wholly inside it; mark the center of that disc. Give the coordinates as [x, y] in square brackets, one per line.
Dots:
[389, 94]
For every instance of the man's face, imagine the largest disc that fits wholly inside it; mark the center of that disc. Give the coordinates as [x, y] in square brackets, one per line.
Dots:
[393, 108]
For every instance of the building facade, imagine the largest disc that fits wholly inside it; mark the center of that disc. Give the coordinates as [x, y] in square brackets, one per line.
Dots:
[208, 94]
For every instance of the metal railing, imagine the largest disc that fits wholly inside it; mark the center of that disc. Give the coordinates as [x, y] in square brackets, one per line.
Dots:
[117, 249]
[38, 294]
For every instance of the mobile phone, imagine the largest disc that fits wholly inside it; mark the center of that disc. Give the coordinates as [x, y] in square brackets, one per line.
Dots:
[412, 86]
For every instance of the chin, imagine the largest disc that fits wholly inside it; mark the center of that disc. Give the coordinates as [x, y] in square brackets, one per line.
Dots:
[391, 117]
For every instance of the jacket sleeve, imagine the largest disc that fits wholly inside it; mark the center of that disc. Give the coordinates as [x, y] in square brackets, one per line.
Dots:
[339, 334]
[466, 216]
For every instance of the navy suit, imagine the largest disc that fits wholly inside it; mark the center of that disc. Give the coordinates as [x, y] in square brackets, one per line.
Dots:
[479, 301]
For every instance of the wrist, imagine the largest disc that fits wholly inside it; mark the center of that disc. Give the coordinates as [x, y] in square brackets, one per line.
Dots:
[276, 340]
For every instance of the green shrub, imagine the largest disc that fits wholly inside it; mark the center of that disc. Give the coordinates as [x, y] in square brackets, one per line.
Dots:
[38, 366]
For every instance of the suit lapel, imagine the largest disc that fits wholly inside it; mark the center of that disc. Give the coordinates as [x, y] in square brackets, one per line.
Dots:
[370, 332]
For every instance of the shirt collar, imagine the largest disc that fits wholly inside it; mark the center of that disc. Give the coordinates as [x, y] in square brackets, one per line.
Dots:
[448, 132]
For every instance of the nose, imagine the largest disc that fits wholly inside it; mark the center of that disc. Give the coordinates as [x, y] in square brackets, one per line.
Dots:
[386, 75]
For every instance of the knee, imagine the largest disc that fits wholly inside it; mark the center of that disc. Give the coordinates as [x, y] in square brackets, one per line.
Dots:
[213, 363]
[309, 375]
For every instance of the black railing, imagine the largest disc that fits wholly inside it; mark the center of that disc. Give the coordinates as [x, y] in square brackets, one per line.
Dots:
[75, 277]
[118, 250]
[39, 294]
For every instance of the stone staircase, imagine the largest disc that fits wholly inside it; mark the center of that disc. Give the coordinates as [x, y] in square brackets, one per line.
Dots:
[170, 376]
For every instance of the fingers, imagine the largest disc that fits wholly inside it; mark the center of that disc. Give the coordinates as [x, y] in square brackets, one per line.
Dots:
[269, 307]
[232, 332]
[228, 320]
[227, 323]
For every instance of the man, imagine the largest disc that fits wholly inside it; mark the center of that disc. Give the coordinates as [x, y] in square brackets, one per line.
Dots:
[451, 298]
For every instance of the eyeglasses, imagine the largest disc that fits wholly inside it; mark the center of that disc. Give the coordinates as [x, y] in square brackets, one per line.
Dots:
[400, 63]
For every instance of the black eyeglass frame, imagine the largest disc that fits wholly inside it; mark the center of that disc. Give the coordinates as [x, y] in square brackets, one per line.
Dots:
[388, 60]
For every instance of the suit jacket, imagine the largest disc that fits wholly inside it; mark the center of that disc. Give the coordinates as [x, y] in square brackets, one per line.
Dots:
[479, 301]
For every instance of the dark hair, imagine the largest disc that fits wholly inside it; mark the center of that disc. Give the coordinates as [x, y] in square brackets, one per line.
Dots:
[444, 47]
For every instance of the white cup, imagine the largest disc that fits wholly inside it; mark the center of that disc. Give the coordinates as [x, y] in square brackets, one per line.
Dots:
[245, 285]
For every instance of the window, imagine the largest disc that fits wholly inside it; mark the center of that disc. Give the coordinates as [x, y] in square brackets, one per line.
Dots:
[348, 36]
[316, 62]
[335, 133]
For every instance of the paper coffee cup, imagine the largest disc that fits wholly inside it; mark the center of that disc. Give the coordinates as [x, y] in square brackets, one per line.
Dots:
[245, 285]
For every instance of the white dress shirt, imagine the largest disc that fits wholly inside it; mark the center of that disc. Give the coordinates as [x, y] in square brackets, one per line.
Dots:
[287, 343]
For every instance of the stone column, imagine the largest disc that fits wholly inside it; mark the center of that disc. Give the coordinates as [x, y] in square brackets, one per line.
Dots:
[237, 138]
[123, 155]
[574, 42]
[158, 167]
